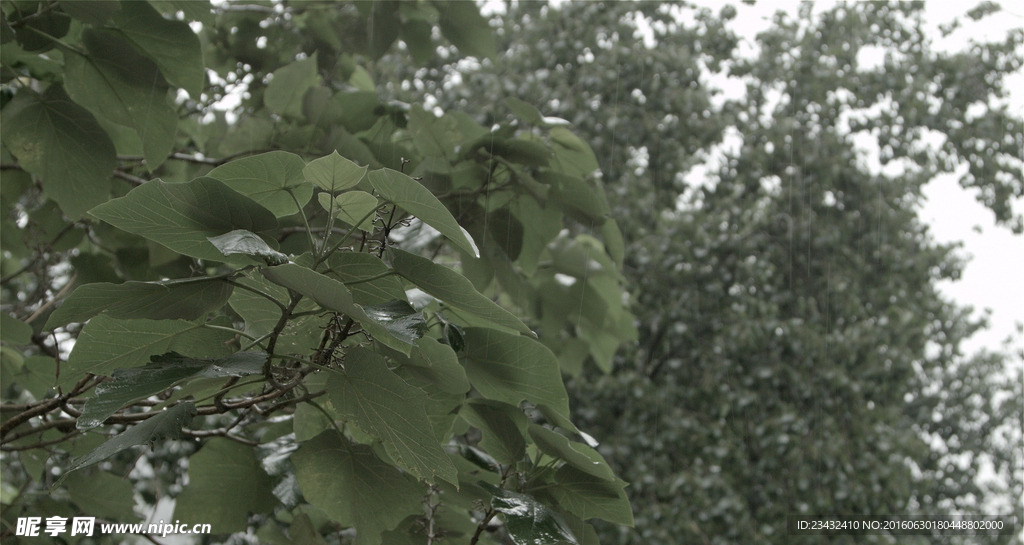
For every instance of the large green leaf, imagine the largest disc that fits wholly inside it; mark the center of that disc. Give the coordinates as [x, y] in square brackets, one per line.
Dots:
[183, 216]
[102, 494]
[367, 277]
[465, 28]
[166, 423]
[271, 179]
[417, 200]
[587, 496]
[107, 343]
[576, 454]
[387, 326]
[165, 371]
[501, 425]
[333, 173]
[13, 330]
[187, 299]
[528, 521]
[288, 86]
[352, 207]
[170, 44]
[225, 484]
[513, 368]
[355, 488]
[118, 83]
[454, 289]
[61, 142]
[372, 397]
[437, 364]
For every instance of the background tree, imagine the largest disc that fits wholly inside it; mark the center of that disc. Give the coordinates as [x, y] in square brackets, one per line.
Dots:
[220, 241]
[794, 355]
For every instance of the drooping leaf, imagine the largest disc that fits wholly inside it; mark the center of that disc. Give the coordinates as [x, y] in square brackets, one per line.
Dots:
[587, 496]
[577, 197]
[172, 45]
[226, 483]
[183, 216]
[573, 156]
[353, 487]
[454, 289]
[245, 242]
[576, 454]
[108, 343]
[371, 396]
[271, 179]
[528, 521]
[333, 172]
[166, 423]
[123, 86]
[163, 372]
[13, 330]
[417, 200]
[333, 295]
[513, 368]
[352, 207]
[288, 86]
[61, 143]
[186, 299]
[502, 434]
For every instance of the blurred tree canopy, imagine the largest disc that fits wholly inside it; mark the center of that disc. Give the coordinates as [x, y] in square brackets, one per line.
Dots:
[238, 280]
[795, 355]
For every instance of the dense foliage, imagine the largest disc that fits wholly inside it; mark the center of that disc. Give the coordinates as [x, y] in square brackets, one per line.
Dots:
[795, 354]
[323, 316]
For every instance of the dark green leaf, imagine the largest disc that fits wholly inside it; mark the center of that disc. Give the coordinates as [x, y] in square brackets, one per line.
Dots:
[437, 364]
[355, 488]
[417, 200]
[14, 331]
[501, 425]
[355, 208]
[576, 454]
[186, 299]
[226, 483]
[95, 12]
[288, 86]
[102, 494]
[465, 28]
[170, 44]
[60, 142]
[383, 405]
[166, 423]
[454, 289]
[587, 496]
[245, 242]
[182, 216]
[334, 173]
[512, 368]
[367, 276]
[273, 179]
[399, 318]
[165, 371]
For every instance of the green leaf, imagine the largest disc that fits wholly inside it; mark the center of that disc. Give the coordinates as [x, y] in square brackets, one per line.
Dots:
[577, 197]
[417, 200]
[61, 143]
[512, 368]
[226, 483]
[466, 29]
[118, 83]
[182, 216]
[102, 494]
[355, 488]
[501, 425]
[587, 496]
[245, 242]
[573, 156]
[367, 277]
[107, 343]
[333, 173]
[333, 295]
[170, 44]
[270, 179]
[454, 289]
[614, 244]
[352, 207]
[288, 86]
[95, 12]
[525, 111]
[14, 331]
[401, 320]
[576, 454]
[165, 371]
[187, 299]
[528, 521]
[166, 423]
[372, 397]
[437, 364]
